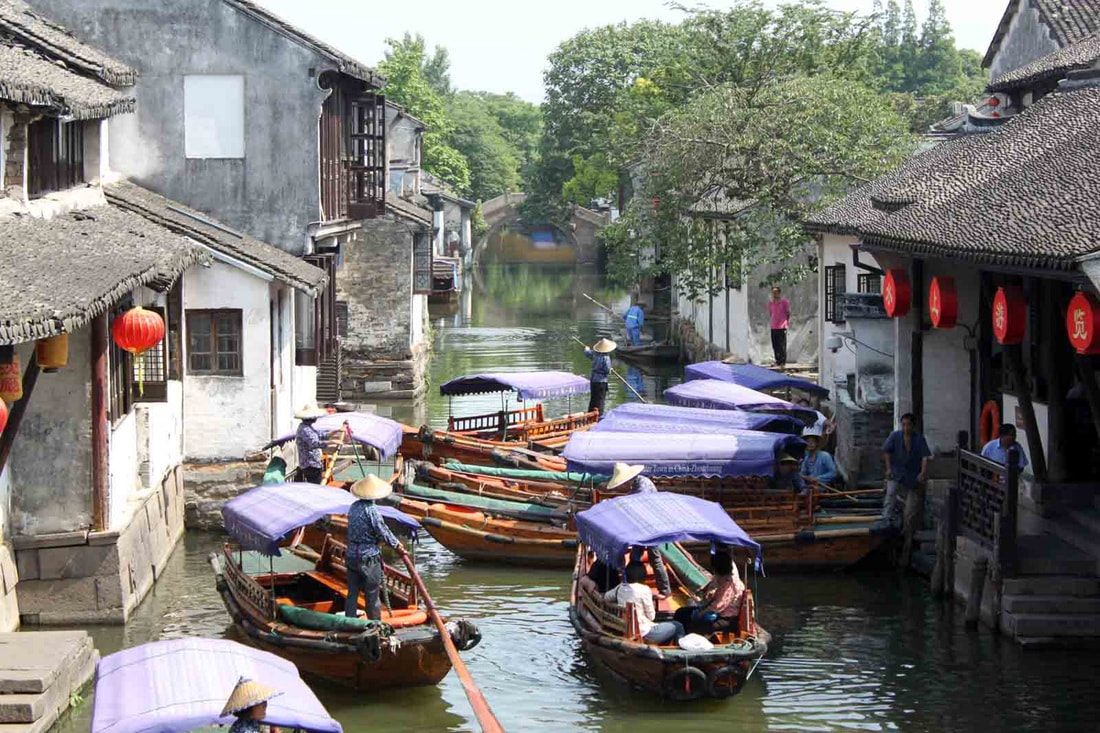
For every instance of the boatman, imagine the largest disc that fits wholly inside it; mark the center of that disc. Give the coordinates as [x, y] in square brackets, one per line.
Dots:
[635, 319]
[601, 368]
[366, 529]
[248, 703]
[631, 479]
[308, 442]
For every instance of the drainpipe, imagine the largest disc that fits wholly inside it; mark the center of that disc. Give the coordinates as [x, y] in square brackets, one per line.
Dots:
[101, 512]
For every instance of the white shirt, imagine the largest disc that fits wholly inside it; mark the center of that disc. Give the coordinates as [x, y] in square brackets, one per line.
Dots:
[642, 598]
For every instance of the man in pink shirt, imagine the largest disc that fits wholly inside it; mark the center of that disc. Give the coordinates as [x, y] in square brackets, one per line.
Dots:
[779, 313]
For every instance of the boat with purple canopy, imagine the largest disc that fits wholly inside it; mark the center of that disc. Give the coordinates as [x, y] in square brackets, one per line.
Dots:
[715, 394]
[642, 417]
[611, 633]
[182, 685]
[291, 603]
[755, 377]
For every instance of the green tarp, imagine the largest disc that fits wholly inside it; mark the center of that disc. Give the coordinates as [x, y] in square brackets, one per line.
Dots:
[304, 618]
[536, 511]
[520, 473]
[690, 573]
[275, 473]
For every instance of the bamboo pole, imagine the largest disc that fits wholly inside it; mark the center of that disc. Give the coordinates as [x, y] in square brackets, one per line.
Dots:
[484, 713]
[600, 304]
[331, 459]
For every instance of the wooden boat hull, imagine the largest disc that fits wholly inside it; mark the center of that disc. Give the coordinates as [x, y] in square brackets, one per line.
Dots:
[649, 353]
[824, 549]
[439, 446]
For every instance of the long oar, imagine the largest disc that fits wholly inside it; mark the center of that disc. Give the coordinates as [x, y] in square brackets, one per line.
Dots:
[600, 304]
[484, 713]
[628, 385]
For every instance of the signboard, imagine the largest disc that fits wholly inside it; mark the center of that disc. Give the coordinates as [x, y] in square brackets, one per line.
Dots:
[1009, 315]
[1083, 323]
[943, 302]
[896, 294]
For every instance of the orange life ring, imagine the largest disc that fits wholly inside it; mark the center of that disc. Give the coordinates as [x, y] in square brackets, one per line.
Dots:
[990, 425]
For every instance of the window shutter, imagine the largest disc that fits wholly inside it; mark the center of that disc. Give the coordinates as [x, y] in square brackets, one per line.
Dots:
[422, 264]
[367, 195]
[834, 288]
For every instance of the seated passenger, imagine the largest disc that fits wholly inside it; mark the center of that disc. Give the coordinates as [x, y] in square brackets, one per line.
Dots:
[636, 483]
[723, 594]
[817, 464]
[787, 477]
[603, 576]
[635, 591]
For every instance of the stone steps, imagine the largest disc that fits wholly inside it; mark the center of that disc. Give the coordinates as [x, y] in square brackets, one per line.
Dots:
[39, 672]
[1037, 604]
[1050, 624]
[1052, 585]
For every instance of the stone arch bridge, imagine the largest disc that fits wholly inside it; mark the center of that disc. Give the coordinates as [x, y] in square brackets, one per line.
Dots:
[581, 232]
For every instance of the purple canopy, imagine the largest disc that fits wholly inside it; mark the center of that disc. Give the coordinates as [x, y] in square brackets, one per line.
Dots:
[733, 453]
[641, 417]
[182, 684]
[613, 526]
[528, 385]
[751, 376]
[260, 518]
[377, 432]
[717, 395]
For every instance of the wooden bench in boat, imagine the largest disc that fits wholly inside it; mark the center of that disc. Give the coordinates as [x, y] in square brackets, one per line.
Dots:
[506, 422]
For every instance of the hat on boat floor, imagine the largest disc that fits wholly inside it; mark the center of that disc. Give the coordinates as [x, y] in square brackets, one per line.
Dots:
[248, 694]
[788, 458]
[732, 360]
[312, 411]
[604, 346]
[371, 487]
[622, 474]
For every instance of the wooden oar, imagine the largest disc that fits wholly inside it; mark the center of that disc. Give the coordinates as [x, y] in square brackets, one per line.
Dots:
[600, 304]
[330, 468]
[628, 385]
[484, 713]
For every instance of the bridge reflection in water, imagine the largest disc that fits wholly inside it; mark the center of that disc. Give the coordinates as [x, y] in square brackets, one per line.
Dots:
[517, 244]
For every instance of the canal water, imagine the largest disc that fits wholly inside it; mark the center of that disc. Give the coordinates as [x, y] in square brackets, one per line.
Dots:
[852, 651]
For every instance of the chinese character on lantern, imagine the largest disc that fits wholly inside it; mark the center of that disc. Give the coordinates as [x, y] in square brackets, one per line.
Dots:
[1081, 323]
[895, 293]
[1009, 315]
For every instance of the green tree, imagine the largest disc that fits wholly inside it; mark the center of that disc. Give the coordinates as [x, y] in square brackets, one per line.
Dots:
[478, 135]
[592, 178]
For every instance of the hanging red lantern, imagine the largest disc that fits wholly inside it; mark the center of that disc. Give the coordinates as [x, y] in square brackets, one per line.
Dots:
[943, 302]
[1009, 315]
[3, 415]
[656, 202]
[138, 330]
[11, 379]
[896, 293]
[1083, 323]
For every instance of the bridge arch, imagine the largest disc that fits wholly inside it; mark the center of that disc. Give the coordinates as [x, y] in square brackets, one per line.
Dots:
[581, 232]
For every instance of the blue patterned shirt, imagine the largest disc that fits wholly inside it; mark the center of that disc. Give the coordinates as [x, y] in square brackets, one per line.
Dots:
[308, 442]
[366, 529]
[601, 365]
[248, 726]
[642, 485]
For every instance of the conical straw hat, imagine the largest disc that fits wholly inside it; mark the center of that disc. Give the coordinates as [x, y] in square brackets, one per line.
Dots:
[371, 487]
[622, 474]
[605, 346]
[311, 411]
[248, 694]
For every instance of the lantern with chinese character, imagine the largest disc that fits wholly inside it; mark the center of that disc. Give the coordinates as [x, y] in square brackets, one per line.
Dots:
[896, 294]
[3, 415]
[1083, 323]
[52, 353]
[943, 302]
[1009, 315]
[138, 330]
[11, 376]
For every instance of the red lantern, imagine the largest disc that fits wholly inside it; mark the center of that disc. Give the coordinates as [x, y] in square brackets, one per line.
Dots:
[138, 330]
[11, 380]
[1009, 315]
[943, 302]
[656, 202]
[3, 415]
[896, 293]
[1083, 323]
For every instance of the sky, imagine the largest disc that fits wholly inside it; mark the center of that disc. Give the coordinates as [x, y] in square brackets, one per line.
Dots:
[502, 45]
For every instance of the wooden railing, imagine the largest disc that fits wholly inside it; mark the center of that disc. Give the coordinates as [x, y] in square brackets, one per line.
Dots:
[498, 421]
[245, 586]
[560, 426]
[334, 559]
[983, 507]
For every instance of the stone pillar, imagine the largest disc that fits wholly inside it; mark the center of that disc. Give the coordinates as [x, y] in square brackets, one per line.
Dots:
[15, 156]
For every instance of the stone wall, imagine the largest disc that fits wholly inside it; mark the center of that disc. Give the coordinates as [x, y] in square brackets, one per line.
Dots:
[860, 433]
[84, 577]
[208, 486]
[9, 577]
[1028, 38]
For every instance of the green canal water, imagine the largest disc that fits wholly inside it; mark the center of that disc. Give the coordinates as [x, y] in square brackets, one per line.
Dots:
[852, 651]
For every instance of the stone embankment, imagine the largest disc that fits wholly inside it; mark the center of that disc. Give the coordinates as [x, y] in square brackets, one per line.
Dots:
[209, 486]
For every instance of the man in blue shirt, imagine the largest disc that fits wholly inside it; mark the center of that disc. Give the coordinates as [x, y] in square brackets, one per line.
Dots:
[997, 449]
[366, 529]
[634, 319]
[906, 455]
[817, 465]
[601, 368]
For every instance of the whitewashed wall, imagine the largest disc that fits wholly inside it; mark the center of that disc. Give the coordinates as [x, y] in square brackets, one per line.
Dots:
[227, 416]
[731, 320]
[834, 250]
[283, 360]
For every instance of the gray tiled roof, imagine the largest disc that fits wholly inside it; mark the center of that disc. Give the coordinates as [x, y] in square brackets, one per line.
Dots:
[57, 274]
[203, 229]
[1070, 20]
[1079, 55]
[408, 209]
[1024, 195]
[20, 23]
[28, 78]
[345, 63]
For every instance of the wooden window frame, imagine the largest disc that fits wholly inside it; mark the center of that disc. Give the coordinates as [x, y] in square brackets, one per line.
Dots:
[423, 256]
[55, 156]
[212, 314]
[325, 326]
[152, 389]
[835, 287]
[869, 283]
[120, 368]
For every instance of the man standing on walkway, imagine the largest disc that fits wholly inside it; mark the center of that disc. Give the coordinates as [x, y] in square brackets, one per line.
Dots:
[634, 319]
[779, 314]
[906, 456]
[997, 449]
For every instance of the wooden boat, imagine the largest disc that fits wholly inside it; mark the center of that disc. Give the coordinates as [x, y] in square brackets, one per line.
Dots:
[295, 612]
[752, 376]
[353, 440]
[438, 446]
[609, 632]
[654, 351]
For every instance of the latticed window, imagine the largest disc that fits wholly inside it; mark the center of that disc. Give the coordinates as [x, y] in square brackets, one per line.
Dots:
[834, 289]
[56, 155]
[214, 342]
[150, 370]
[422, 263]
[869, 282]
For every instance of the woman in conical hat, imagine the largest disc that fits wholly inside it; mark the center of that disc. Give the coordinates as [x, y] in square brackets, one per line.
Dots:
[249, 703]
[631, 478]
[366, 530]
[601, 368]
[309, 443]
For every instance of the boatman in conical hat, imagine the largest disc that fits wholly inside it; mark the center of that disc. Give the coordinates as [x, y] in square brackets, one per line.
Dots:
[366, 530]
[309, 443]
[630, 478]
[600, 354]
[248, 702]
